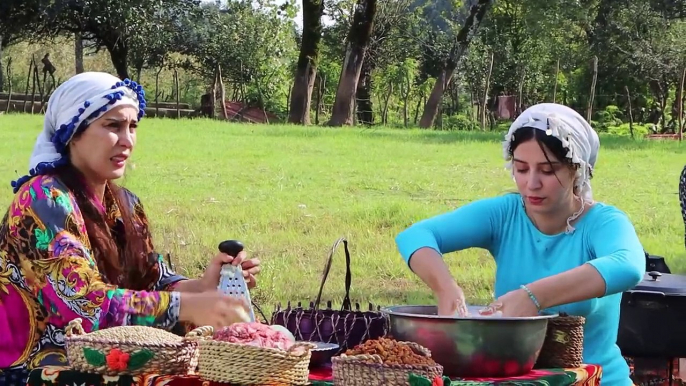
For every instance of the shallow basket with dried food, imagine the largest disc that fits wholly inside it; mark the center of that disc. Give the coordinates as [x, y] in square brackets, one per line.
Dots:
[131, 350]
[249, 364]
[384, 361]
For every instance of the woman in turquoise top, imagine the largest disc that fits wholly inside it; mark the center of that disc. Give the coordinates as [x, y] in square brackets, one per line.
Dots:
[554, 247]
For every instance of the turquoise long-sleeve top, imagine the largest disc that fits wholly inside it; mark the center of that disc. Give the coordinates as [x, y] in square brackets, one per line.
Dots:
[604, 238]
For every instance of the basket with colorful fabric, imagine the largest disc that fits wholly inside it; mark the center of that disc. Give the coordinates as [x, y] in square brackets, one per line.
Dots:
[132, 350]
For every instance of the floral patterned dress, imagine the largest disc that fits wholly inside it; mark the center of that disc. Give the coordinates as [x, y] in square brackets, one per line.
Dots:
[49, 276]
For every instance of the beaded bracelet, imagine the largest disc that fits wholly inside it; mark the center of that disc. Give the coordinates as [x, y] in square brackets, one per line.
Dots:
[532, 297]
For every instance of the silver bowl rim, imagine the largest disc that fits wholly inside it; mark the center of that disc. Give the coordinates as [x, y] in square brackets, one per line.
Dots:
[325, 346]
[390, 310]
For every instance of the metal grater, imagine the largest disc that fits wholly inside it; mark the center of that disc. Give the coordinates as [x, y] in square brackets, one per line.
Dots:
[232, 282]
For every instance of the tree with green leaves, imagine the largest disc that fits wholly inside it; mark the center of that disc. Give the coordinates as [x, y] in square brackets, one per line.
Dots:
[477, 11]
[254, 46]
[111, 24]
[11, 32]
[7, 39]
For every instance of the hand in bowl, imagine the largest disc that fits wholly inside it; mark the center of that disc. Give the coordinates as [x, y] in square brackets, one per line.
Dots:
[452, 303]
[515, 303]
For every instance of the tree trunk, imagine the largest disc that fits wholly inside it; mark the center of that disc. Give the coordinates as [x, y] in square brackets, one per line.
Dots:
[358, 40]
[434, 100]
[419, 105]
[306, 71]
[365, 107]
[631, 113]
[406, 99]
[321, 88]
[119, 52]
[78, 53]
[464, 37]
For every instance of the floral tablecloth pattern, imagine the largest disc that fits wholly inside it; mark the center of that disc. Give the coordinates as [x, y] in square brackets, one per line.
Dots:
[587, 375]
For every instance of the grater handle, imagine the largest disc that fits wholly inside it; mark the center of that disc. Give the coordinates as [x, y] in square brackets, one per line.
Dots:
[231, 247]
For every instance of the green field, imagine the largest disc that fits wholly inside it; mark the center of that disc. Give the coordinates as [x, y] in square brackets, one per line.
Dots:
[290, 192]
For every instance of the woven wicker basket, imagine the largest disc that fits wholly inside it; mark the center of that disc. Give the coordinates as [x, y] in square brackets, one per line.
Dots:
[356, 370]
[243, 364]
[564, 343]
[131, 350]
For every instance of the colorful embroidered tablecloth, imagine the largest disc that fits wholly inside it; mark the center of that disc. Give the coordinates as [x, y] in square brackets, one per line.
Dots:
[587, 375]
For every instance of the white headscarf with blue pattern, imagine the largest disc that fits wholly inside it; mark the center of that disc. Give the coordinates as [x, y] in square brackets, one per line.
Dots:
[73, 106]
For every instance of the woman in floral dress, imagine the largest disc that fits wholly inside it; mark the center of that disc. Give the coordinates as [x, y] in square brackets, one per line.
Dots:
[73, 244]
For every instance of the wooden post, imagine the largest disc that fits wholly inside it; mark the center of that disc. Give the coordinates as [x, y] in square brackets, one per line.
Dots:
[557, 72]
[520, 103]
[41, 89]
[288, 99]
[157, 91]
[9, 83]
[33, 88]
[78, 53]
[589, 109]
[222, 92]
[472, 113]
[631, 114]
[242, 85]
[485, 100]
[320, 96]
[214, 94]
[176, 91]
[28, 81]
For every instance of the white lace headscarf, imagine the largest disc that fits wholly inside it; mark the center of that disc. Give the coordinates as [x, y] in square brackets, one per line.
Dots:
[73, 106]
[577, 137]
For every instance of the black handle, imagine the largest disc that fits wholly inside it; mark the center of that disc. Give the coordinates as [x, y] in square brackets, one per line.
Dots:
[231, 247]
[654, 275]
[646, 293]
[347, 305]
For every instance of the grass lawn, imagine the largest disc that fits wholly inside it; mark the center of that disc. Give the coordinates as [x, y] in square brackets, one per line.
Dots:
[289, 192]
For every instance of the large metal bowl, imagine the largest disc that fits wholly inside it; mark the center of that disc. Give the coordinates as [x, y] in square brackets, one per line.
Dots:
[476, 346]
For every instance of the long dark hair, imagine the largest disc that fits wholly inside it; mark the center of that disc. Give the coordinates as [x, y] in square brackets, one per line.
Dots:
[120, 252]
